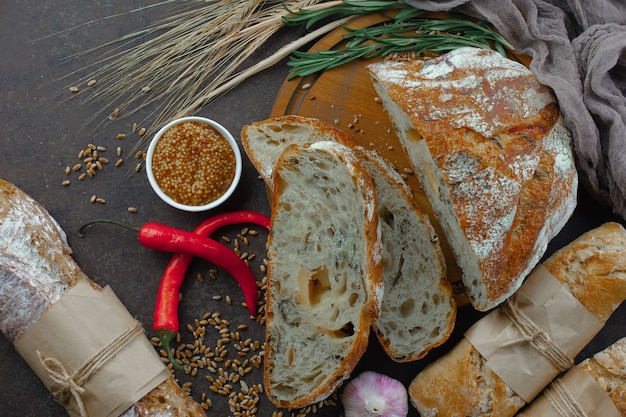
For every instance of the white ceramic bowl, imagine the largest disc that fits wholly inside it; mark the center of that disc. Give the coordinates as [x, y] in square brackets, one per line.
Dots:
[166, 198]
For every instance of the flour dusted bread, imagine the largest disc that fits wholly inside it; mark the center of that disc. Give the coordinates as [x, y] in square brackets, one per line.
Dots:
[487, 142]
[593, 267]
[264, 140]
[324, 275]
[418, 310]
[36, 270]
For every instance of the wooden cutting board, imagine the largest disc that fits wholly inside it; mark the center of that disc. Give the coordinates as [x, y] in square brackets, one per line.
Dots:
[345, 98]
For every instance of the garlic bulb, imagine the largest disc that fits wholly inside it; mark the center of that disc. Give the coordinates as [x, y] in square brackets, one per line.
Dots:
[375, 395]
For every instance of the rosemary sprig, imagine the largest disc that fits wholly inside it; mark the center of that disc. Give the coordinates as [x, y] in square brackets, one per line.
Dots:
[406, 31]
[309, 17]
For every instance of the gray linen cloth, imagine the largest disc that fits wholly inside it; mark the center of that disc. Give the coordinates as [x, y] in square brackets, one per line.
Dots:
[578, 48]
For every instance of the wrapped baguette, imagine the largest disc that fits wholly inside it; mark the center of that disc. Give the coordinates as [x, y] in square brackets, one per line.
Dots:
[462, 383]
[595, 388]
[37, 272]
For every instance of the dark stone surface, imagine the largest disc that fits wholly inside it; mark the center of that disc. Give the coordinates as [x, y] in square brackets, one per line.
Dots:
[43, 128]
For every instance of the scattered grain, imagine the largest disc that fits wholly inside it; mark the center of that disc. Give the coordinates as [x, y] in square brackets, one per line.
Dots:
[114, 114]
[65, 183]
[73, 89]
[132, 209]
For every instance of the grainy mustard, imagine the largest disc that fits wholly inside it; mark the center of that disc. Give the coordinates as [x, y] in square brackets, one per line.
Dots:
[193, 163]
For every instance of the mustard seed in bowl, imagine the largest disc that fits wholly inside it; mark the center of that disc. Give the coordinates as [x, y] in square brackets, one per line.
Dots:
[193, 164]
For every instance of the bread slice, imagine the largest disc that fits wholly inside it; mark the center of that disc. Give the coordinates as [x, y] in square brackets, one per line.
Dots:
[487, 142]
[265, 140]
[37, 269]
[324, 275]
[418, 310]
[460, 383]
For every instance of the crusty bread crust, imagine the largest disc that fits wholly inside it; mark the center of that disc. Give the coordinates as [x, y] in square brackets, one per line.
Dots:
[460, 383]
[487, 142]
[36, 269]
[594, 268]
[324, 274]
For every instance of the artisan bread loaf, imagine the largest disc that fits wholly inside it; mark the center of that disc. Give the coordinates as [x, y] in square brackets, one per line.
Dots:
[418, 311]
[37, 269]
[460, 383]
[324, 274]
[487, 142]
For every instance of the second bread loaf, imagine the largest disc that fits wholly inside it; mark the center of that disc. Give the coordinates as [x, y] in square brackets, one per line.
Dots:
[460, 383]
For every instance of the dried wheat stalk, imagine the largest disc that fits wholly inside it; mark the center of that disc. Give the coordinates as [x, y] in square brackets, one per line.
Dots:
[198, 54]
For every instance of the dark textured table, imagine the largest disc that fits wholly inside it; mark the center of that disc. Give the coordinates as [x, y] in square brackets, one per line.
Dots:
[43, 129]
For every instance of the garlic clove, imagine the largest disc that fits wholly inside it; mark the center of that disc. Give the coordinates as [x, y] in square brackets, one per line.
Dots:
[372, 394]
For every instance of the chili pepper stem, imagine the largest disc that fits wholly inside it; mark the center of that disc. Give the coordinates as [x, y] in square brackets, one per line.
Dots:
[166, 336]
[81, 230]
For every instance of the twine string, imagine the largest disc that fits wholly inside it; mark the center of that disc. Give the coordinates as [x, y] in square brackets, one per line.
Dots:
[563, 401]
[71, 385]
[539, 339]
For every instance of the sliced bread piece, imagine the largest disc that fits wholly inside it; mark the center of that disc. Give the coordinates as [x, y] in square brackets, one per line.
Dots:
[418, 310]
[324, 275]
[265, 140]
[487, 142]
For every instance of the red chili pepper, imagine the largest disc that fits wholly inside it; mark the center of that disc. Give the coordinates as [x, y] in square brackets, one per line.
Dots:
[186, 244]
[166, 309]
[169, 239]
[166, 323]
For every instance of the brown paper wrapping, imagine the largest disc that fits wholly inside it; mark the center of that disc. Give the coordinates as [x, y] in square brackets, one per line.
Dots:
[551, 307]
[80, 325]
[583, 393]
